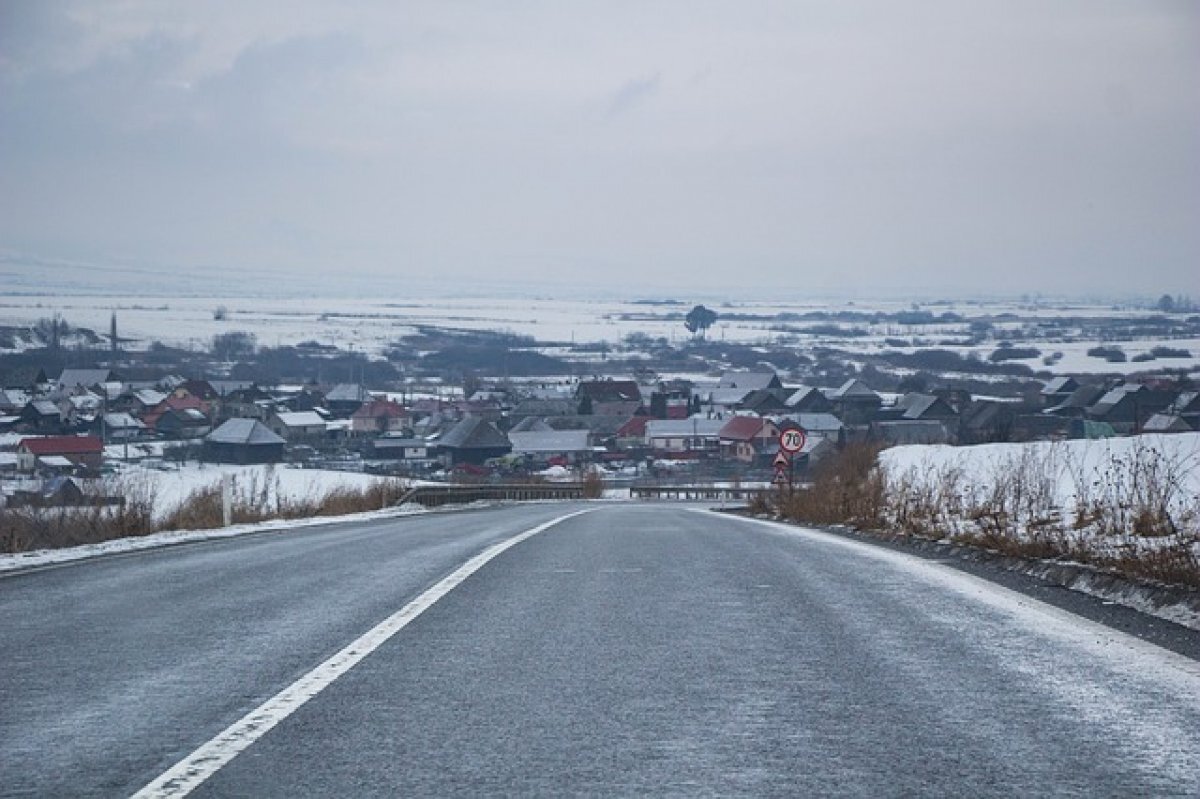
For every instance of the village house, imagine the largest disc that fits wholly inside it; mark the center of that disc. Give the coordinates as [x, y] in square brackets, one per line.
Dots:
[345, 398]
[823, 426]
[400, 448]
[379, 416]
[697, 435]
[749, 439]
[608, 397]
[855, 403]
[808, 399]
[894, 432]
[12, 400]
[1129, 406]
[1058, 390]
[181, 423]
[473, 440]
[553, 446]
[244, 441]
[86, 380]
[82, 452]
[119, 427]
[532, 408]
[1075, 405]
[733, 389]
[298, 426]
[41, 416]
[29, 379]
[672, 400]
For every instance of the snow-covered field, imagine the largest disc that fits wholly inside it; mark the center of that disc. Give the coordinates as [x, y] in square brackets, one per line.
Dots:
[170, 487]
[1079, 468]
[370, 323]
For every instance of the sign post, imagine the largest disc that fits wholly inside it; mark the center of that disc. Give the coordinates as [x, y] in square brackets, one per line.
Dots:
[791, 441]
[783, 466]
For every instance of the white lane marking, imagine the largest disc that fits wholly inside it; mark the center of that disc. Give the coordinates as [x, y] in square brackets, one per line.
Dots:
[187, 775]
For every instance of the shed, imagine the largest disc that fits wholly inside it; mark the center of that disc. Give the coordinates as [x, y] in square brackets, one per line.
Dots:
[244, 441]
[473, 440]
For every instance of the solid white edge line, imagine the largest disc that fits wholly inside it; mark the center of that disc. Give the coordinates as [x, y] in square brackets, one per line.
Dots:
[188, 774]
[1073, 626]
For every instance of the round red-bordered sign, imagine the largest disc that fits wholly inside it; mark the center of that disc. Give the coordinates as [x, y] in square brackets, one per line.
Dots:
[792, 440]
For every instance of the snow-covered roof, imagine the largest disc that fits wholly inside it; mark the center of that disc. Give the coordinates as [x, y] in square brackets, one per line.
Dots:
[120, 421]
[749, 380]
[149, 397]
[347, 392]
[56, 461]
[70, 378]
[853, 388]
[816, 422]
[300, 419]
[244, 431]
[550, 441]
[682, 428]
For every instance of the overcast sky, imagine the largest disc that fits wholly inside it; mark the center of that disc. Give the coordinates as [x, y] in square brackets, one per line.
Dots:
[955, 147]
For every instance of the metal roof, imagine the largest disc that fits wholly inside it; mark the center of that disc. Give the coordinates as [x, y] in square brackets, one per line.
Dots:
[244, 431]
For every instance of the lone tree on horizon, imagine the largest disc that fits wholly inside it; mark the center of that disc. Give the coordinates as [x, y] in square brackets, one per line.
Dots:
[699, 319]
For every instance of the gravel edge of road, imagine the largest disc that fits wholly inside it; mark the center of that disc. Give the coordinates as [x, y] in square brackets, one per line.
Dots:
[1166, 616]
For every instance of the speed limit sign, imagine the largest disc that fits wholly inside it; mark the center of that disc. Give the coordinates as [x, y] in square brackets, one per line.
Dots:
[792, 440]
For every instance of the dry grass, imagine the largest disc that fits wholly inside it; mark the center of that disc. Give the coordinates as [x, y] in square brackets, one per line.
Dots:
[28, 528]
[593, 485]
[257, 498]
[1133, 515]
[847, 489]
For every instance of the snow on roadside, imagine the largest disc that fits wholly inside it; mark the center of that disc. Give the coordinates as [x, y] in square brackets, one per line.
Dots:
[1079, 460]
[170, 487]
[47, 557]
[1094, 496]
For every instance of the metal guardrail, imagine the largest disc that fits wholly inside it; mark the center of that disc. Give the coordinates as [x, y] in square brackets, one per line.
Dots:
[435, 495]
[693, 492]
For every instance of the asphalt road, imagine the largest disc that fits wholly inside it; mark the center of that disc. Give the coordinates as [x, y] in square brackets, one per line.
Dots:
[631, 650]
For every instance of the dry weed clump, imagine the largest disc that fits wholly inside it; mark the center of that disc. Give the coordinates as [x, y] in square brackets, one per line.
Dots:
[846, 489]
[593, 485]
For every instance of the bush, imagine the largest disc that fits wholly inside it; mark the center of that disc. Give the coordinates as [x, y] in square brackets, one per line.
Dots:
[847, 488]
[593, 485]
[1013, 354]
[1108, 353]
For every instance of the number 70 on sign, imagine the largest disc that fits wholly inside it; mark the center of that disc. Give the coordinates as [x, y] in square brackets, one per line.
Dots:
[792, 440]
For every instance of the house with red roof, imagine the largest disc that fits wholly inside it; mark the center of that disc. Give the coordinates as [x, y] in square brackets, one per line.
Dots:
[379, 416]
[86, 452]
[177, 404]
[749, 439]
